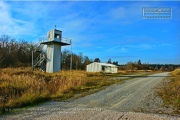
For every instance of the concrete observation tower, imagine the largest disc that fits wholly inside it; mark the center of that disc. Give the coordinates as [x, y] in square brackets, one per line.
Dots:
[53, 52]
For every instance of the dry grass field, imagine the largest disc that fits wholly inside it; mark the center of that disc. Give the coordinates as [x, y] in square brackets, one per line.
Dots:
[170, 90]
[22, 86]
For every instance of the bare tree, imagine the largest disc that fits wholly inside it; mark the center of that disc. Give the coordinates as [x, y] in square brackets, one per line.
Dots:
[3, 47]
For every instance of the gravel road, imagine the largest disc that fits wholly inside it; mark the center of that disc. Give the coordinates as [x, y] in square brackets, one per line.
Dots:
[134, 100]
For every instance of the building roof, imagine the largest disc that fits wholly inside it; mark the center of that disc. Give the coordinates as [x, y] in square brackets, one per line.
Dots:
[106, 64]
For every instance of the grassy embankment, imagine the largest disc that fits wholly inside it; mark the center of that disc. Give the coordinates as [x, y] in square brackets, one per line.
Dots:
[170, 90]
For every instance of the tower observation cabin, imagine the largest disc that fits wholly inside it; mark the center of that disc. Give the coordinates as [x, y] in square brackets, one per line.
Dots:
[53, 52]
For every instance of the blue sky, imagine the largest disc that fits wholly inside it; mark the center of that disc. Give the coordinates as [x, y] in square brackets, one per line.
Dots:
[107, 30]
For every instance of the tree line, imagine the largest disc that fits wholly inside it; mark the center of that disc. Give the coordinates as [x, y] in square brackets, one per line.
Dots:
[15, 53]
[79, 61]
[139, 66]
[133, 66]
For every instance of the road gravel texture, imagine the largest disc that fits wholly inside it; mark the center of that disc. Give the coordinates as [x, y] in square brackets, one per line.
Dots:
[135, 99]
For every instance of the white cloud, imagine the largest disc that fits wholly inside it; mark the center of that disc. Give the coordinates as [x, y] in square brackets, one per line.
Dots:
[126, 15]
[117, 49]
[146, 46]
[140, 46]
[30, 20]
[129, 48]
[10, 25]
[131, 13]
[123, 49]
[119, 13]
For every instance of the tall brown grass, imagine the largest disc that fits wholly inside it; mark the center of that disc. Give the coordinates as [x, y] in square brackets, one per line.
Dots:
[170, 90]
[22, 86]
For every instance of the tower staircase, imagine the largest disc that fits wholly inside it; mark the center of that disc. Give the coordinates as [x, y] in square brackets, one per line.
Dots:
[40, 61]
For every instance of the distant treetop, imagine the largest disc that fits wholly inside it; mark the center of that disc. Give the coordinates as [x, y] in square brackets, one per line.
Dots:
[96, 60]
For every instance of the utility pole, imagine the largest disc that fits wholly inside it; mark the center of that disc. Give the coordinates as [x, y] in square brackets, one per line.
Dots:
[32, 61]
[71, 56]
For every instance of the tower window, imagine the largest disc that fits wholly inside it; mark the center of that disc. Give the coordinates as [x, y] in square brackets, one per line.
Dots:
[57, 36]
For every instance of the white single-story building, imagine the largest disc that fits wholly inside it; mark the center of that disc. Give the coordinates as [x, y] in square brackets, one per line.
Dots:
[99, 67]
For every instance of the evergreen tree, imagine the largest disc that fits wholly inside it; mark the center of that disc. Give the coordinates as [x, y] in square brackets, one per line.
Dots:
[109, 61]
[97, 60]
